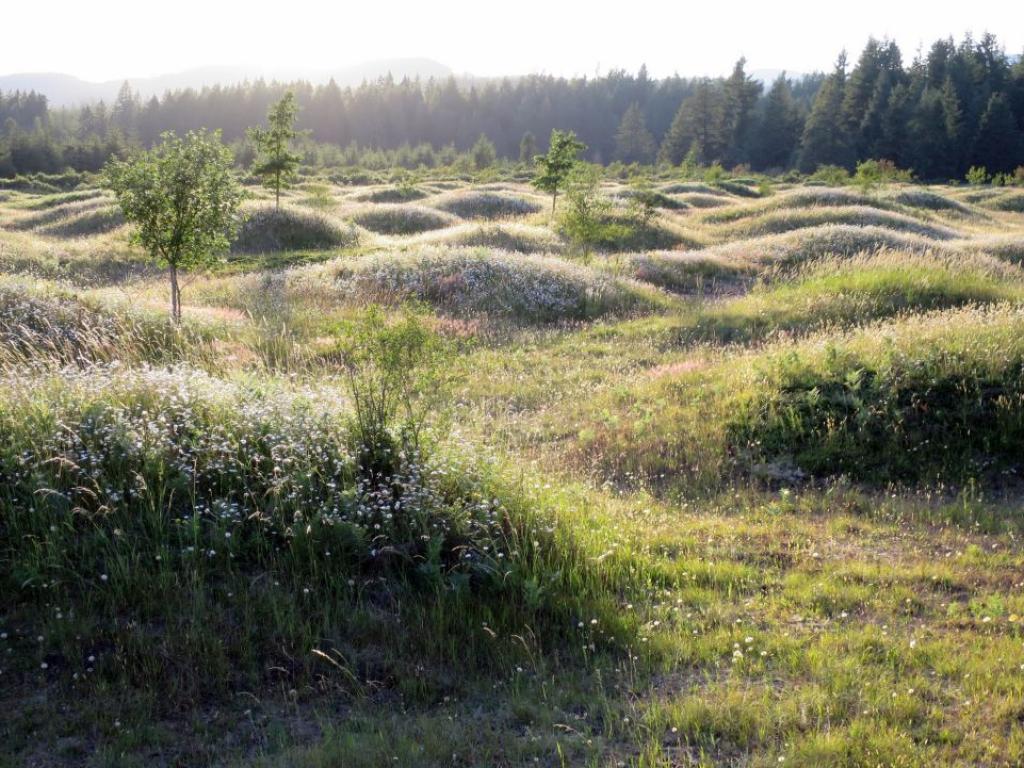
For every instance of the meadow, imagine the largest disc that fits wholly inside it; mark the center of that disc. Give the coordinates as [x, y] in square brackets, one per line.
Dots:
[741, 487]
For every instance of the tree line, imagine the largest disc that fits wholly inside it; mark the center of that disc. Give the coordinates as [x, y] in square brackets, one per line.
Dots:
[955, 106]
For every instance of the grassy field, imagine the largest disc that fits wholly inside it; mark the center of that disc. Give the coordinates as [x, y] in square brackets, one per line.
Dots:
[742, 488]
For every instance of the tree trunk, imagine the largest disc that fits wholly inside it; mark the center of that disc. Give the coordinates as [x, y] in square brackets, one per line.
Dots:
[175, 296]
[277, 192]
[554, 197]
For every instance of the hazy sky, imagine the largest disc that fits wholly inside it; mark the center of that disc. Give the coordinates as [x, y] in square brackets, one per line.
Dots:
[111, 39]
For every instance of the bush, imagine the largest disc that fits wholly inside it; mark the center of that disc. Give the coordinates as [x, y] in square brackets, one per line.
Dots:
[977, 175]
[833, 175]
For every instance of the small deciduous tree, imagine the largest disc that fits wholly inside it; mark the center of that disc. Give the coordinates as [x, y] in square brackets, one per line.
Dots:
[275, 162]
[182, 198]
[585, 218]
[553, 168]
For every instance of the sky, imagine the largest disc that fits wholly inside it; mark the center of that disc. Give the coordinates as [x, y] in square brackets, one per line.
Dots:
[116, 39]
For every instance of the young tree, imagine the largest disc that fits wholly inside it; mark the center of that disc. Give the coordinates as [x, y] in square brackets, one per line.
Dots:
[183, 200]
[483, 153]
[276, 163]
[554, 167]
[584, 219]
[633, 142]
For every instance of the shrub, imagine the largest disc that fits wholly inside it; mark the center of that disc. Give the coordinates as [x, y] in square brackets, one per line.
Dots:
[833, 175]
[977, 175]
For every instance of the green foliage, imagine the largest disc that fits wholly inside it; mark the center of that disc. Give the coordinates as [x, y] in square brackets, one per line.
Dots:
[527, 148]
[276, 163]
[553, 168]
[183, 200]
[977, 176]
[633, 142]
[832, 175]
[584, 219]
[873, 173]
[643, 202]
[483, 153]
[389, 366]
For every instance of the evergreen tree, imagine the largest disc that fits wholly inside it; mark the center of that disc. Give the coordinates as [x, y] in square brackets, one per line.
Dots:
[824, 138]
[527, 148]
[741, 94]
[633, 142]
[998, 143]
[699, 122]
[275, 162]
[483, 153]
[779, 131]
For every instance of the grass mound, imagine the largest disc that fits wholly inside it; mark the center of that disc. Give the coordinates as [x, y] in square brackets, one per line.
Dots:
[771, 252]
[87, 223]
[41, 326]
[389, 219]
[487, 205]
[233, 524]
[686, 272]
[703, 200]
[43, 202]
[392, 195]
[934, 397]
[931, 201]
[1008, 248]
[658, 199]
[1011, 200]
[834, 292]
[506, 236]
[693, 187]
[774, 222]
[467, 281]
[266, 230]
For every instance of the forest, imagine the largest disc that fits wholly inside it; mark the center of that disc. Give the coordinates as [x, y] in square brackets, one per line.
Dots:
[955, 106]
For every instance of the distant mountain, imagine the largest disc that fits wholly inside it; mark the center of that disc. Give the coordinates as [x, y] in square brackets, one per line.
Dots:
[66, 90]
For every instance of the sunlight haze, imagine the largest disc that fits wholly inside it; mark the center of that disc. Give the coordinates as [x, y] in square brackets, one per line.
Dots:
[117, 39]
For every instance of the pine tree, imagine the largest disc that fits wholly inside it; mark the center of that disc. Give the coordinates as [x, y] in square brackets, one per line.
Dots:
[633, 142]
[527, 148]
[700, 121]
[276, 163]
[824, 139]
[778, 136]
[998, 143]
[483, 153]
[741, 94]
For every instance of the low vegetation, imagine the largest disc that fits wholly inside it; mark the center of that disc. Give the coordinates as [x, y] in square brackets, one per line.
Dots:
[425, 474]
